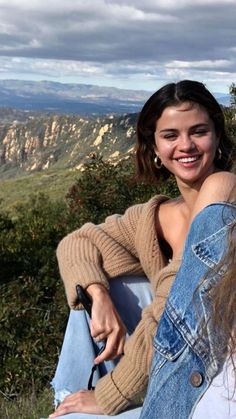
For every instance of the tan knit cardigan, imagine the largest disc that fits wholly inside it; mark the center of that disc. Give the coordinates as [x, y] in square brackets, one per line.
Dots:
[126, 244]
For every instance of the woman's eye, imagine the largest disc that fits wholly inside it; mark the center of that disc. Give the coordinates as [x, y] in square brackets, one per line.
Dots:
[170, 136]
[200, 132]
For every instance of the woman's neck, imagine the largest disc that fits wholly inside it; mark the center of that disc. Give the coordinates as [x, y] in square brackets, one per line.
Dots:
[188, 195]
[189, 192]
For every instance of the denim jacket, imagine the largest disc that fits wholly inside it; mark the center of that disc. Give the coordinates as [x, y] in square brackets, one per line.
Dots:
[185, 360]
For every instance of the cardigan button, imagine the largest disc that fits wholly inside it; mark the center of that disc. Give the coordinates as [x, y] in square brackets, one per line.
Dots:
[196, 379]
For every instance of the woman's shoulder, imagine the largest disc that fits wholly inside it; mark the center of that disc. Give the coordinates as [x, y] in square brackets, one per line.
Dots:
[219, 186]
[217, 179]
[150, 205]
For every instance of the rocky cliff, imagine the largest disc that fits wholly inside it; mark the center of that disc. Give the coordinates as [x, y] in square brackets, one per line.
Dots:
[63, 141]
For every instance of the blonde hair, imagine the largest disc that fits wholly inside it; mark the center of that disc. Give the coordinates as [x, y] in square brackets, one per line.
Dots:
[224, 298]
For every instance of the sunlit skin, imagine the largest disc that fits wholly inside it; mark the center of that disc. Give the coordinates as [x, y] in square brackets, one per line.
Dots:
[186, 132]
[82, 401]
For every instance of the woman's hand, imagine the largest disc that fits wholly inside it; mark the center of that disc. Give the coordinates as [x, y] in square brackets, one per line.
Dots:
[106, 324]
[82, 401]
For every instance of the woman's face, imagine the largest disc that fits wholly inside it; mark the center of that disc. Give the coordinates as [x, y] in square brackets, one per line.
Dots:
[186, 142]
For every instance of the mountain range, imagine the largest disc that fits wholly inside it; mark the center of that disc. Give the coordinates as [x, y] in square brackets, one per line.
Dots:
[82, 99]
[77, 99]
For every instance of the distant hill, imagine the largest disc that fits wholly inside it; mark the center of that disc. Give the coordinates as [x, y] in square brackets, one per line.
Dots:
[82, 99]
[223, 98]
[10, 115]
[77, 99]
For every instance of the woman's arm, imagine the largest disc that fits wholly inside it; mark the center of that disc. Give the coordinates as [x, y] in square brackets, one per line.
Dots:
[89, 257]
[95, 253]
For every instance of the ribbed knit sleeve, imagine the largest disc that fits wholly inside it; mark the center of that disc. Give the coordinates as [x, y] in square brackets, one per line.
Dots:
[95, 253]
[116, 390]
[123, 245]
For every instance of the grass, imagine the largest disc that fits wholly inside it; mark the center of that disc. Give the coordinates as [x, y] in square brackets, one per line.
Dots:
[32, 406]
[28, 406]
[54, 183]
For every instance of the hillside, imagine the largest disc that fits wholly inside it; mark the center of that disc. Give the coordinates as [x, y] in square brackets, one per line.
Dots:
[46, 153]
[62, 142]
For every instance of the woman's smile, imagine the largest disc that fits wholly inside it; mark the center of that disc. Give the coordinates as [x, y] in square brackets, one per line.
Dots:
[186, 142]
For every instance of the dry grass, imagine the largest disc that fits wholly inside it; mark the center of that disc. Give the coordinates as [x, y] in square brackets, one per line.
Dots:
[27, 406]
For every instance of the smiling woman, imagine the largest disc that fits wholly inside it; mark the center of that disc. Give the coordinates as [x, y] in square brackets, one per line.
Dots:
[173, 104]
[186, 142]
[180, 131]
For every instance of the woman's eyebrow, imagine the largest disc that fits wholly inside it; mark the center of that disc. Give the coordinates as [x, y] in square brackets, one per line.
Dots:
[202, 124]
[168, 130]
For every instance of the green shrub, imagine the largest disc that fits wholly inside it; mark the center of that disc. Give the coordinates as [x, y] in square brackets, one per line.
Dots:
[105, 189]
[33, 309]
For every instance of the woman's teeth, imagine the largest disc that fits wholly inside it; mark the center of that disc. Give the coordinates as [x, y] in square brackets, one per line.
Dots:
[188, 159]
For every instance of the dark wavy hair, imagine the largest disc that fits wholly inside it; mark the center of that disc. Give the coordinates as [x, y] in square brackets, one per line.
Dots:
[171, 95]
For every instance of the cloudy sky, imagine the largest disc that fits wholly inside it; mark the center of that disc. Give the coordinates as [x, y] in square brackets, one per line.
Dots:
[133, 44]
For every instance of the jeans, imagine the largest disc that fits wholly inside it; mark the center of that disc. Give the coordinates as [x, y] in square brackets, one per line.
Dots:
[128, 414]
[130, 295]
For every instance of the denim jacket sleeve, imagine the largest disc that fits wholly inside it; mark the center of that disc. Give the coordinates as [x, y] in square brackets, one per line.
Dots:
[185, 360]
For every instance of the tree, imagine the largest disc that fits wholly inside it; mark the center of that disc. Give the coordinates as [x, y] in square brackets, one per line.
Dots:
[232, 91]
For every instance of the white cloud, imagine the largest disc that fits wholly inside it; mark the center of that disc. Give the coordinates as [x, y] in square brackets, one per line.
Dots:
[180, 4]
[204, 64]
[118, 41]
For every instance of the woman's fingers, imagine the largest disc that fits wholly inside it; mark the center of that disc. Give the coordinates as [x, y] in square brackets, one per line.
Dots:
[82, 401]
[106, 324]
[113, 348]
[99, 333]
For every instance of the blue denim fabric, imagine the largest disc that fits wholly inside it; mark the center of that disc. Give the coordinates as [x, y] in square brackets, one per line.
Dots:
[185, 361]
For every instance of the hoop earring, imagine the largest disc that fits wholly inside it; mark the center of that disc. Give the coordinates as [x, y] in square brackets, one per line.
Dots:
[157, 162]
[219, 153]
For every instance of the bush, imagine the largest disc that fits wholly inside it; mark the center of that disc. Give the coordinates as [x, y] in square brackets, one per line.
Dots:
[33, 309]
[105, 189]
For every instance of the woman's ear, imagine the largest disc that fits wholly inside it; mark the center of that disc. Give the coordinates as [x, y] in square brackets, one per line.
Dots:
[156, 150]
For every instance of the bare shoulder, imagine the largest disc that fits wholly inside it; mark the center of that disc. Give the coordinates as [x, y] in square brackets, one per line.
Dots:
[227, 178]
[218, 187]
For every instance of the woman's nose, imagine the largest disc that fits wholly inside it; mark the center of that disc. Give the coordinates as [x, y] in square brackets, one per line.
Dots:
[186, 142]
